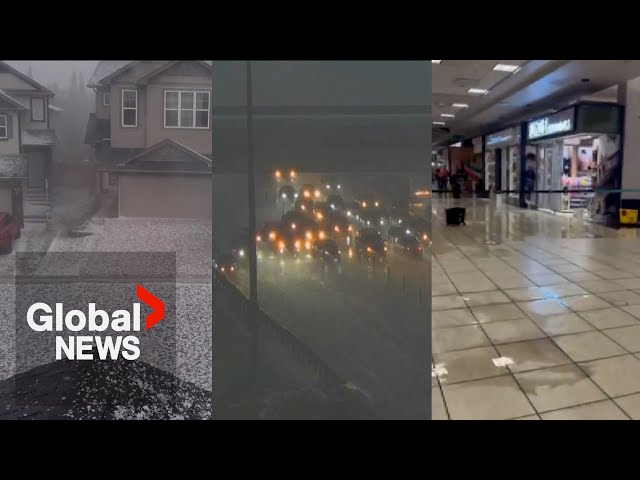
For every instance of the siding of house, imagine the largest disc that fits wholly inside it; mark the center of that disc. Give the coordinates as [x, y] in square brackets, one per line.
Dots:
[25, 115]
[165, 196]
[101, 110]
[198, 139]
[12, 145]
[127, 137]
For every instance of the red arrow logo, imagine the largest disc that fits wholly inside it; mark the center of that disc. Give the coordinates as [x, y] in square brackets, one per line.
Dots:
[152, 301]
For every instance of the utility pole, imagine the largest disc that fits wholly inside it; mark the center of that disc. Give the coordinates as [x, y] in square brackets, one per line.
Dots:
[253, 270]
[254, 349]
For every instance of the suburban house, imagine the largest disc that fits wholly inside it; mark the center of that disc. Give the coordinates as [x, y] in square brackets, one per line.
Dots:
[27, 139]
[151, 137]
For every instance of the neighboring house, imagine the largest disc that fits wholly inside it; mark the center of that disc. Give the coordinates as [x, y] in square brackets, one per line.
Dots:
[27, 138]
[151, 136]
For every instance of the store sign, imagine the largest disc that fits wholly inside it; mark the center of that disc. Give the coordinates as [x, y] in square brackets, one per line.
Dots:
[561, 122]
[505, 137]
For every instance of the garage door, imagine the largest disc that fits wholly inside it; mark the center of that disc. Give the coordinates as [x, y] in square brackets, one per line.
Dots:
[165, 196]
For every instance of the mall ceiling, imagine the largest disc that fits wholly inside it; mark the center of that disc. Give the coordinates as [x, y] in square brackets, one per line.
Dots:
[533, 87]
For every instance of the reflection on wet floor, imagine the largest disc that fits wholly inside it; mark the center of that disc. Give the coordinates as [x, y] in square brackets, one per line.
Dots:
[535, 316]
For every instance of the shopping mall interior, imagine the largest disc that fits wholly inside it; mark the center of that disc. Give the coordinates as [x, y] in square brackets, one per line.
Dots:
[536, 283]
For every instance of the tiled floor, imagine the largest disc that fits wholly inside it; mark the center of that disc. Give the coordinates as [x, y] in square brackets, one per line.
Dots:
[535, 316]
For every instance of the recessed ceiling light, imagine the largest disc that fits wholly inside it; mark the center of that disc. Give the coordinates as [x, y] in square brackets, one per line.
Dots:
[436, 61]
[502, 67]
[478, 91]
[438, 123]
[450, 115]
[460, 105]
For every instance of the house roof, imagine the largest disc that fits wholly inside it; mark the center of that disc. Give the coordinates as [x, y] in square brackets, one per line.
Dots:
[26, 78]
[168, 156]
[107, 70]
[14, 166]
[5, 97]
[33, 137]
[98, 129]
[145, 79]
[104, 69]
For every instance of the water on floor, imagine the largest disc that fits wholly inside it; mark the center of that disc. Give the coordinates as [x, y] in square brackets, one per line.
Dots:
[535, 316]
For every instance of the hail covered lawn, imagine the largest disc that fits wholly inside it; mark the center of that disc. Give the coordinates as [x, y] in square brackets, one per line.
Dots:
[190, 240]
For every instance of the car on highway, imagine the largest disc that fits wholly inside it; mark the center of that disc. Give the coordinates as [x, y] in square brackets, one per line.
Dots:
[410, 246]
[304, 205]
[370, 245]
[396, 232]
[374, 217]
[309, 191]
[330, 183]
[267, 237]
[327, 251]
[338, 227]
[9, 232]
[300, 231]
[418, 227]
[367, 200]
[321, 211]
[335, 201]
[287, 192]
[225, 264]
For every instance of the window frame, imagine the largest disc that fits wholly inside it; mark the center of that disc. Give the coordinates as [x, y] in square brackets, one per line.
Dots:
[123, 108]
[194, 109]
[104, 100]
[5, 126]
[44, 109]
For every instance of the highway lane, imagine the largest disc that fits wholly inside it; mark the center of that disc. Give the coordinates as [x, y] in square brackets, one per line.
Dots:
[368, 330]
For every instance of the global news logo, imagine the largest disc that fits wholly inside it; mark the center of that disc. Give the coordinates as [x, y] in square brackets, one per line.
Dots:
[41, 318]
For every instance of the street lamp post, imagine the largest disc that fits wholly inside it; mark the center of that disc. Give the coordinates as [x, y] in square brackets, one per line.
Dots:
[253, 258]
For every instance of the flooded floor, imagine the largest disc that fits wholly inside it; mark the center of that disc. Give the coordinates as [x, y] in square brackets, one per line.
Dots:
[535, 316]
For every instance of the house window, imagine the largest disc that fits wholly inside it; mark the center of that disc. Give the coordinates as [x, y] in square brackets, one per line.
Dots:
[37, 109]
[4, 129]
[106, 99]
[129, 108]
[186, 109]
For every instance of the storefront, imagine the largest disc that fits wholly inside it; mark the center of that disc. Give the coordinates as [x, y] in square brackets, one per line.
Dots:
[474, 169]
[576, 149]
[502, 161]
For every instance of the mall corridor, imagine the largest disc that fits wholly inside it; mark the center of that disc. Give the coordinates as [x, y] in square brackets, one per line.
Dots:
[535, 316]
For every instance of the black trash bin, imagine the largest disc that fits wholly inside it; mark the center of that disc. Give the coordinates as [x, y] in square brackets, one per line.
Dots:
[455, 215]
